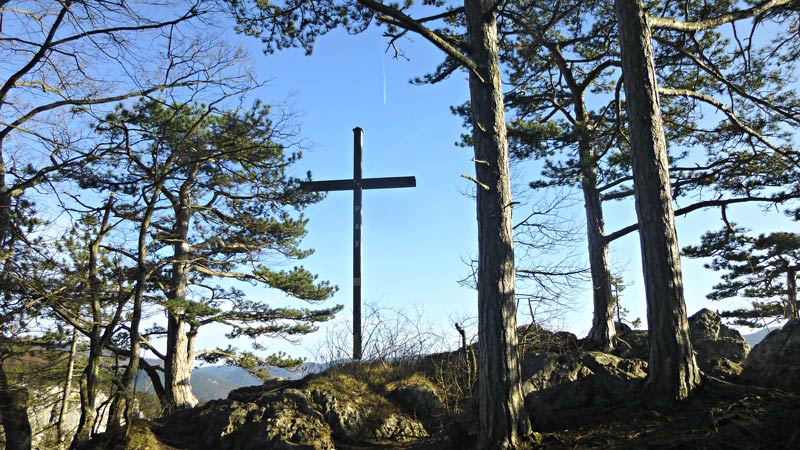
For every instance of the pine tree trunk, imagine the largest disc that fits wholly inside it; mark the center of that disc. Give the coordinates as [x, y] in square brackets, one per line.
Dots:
[14, 413]
[119, 412]
[504, 423]
[89, 381]
[673, 372]
[88, 389]
[178, 368]
[602, 334]
[178, 365]
[793, 310]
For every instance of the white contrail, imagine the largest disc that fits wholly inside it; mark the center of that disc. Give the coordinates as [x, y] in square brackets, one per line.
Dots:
[383, 64]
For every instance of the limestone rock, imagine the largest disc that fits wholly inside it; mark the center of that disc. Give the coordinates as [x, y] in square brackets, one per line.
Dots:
[44, 407]
[545, 370]
[631, 343]
[395, 427]
[422, 402]
[534, 339]
[775, 361]
[614, 379]
[569, 380]
[346, 421]
[706, 324]
[279, 420]
[720, 350]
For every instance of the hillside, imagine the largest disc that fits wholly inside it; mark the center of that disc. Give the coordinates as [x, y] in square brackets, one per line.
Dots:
[577, 399]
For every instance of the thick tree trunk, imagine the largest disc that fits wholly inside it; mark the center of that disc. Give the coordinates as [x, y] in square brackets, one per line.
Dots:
[504, 423]
[14, 412]
[673, 372]
[178, 365]
[602, 334]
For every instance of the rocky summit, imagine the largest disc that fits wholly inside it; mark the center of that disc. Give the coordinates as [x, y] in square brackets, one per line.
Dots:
[576, 397]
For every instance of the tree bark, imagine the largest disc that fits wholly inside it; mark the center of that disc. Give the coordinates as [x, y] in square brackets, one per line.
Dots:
[602, 334]
[792, 307]
[673, 372]
[178, 365]
[88, 389]
[504, 423]
[14, 412]
[91, 373]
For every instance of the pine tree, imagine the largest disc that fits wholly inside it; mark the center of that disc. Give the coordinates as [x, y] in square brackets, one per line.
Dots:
[763, 268]
[222, 204]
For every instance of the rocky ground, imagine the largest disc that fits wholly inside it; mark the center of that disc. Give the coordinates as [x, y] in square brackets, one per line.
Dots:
[578, 399]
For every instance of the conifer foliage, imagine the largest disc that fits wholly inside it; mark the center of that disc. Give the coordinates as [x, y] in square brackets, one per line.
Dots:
[761, 268]
[223, 204]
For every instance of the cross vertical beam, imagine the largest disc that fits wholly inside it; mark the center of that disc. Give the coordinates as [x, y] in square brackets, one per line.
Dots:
[357, 184]
[358, 134]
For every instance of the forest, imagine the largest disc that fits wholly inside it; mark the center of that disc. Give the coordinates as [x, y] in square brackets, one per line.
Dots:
[145, 192]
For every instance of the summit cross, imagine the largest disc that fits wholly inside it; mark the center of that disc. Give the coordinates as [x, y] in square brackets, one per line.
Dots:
[357, 184]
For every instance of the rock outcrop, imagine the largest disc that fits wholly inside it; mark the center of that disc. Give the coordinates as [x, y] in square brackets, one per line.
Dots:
[292, 415]
[574, 379]
[421, 401]
[720, 350]
[566, 387]
[44, 408]
[775, 361]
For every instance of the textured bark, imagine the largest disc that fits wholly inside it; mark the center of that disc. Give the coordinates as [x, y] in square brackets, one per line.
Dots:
[91, 373]
[791, 294]
[14, 412]
[504, 424]
[178, 364]
[673, 372]
[178, 367]
[88, 390]
[602, 334]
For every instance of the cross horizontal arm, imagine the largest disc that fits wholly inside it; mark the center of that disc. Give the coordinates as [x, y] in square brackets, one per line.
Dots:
[366, 183]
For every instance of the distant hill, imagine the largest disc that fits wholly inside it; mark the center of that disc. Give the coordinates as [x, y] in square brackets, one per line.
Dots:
[213, 382]
[755, 338]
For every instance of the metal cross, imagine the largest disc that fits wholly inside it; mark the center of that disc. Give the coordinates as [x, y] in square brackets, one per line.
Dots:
[357, 184]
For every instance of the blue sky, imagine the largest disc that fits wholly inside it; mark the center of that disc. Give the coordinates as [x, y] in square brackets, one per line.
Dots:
[416, 240]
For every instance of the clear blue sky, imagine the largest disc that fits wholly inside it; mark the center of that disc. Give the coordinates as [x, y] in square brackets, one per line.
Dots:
[415, 240]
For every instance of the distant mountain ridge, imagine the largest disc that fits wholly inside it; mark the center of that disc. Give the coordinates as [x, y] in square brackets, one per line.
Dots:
[758, 336]
[215, 382]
